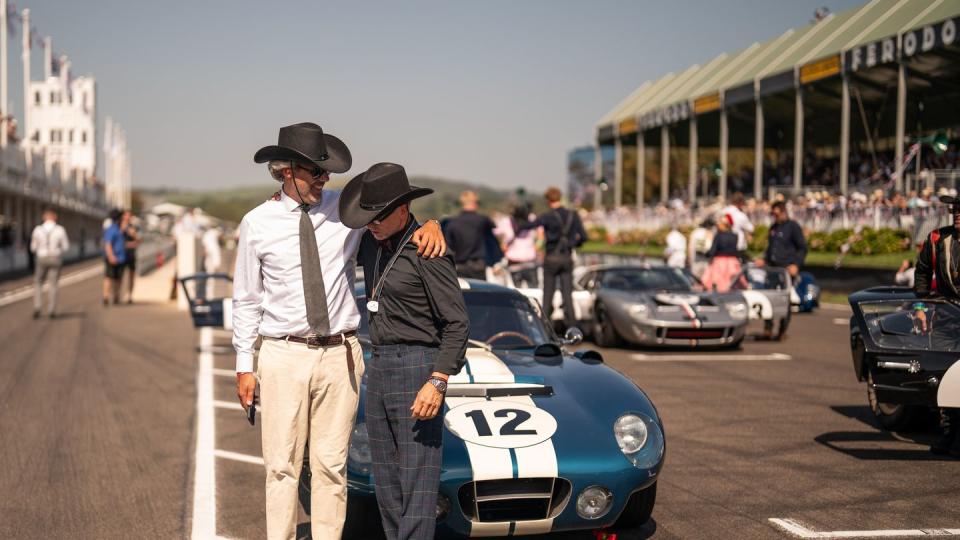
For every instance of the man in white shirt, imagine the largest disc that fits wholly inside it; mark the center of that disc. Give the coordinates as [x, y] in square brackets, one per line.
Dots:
[48, 243]
[296, 291]
[676, 251]
[742, 225]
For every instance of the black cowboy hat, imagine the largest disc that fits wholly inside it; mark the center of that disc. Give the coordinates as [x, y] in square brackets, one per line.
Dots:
[952, 202]
[307, 143]
[376, 192]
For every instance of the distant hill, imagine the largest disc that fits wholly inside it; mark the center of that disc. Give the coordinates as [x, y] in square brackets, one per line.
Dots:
[231, 204]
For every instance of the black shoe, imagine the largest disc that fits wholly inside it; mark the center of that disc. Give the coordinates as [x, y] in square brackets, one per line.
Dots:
[106, 302]
[53, 315]
[36, 314]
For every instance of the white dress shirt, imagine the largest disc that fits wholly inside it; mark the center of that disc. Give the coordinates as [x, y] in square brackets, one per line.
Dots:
[49, 240]
[268, 297]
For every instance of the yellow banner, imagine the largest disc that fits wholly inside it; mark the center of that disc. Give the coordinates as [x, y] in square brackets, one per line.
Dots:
[821, 69]
[706, 104]
[628, 126]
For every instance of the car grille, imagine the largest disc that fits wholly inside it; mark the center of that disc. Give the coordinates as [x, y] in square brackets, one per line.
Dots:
[694, 333]
[515, 499]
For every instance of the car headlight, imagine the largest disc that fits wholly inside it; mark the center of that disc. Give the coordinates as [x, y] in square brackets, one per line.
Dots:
[359, 452]
[594, 502]
[631, 433]
[737, 310]
[638, 311]
[640, 439]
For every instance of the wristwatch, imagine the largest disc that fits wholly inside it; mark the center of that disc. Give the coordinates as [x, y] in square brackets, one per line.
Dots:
[439, 384]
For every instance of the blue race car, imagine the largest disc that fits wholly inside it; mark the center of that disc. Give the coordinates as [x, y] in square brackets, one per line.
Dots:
[537, 439]
[807, 293]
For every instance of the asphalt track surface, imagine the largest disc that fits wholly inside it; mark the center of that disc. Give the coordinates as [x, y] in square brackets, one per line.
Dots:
[99, 420]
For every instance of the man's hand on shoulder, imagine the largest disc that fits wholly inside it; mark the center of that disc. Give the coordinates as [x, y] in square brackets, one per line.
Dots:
[429, 240]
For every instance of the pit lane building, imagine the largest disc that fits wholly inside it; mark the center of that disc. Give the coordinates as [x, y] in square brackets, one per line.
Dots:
[866, 82]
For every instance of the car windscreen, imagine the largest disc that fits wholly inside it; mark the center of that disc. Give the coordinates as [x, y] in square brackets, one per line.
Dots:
[505, 320]
[646, 279]
[922, 325]
[500, 314]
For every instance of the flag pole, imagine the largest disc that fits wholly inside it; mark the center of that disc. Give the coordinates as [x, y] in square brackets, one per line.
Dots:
[26, 83]
[3, 74]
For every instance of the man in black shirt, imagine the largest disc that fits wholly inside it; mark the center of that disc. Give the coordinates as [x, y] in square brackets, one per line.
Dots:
[786, 245]
[467, 236]
[563, 232]
[419, 329]
[938, 275]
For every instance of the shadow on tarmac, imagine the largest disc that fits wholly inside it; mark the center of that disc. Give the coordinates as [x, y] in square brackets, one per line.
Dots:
[841, 441]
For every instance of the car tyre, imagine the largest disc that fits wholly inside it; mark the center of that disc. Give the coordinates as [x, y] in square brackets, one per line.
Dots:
[638, 509]
[892, 416]
[604, 334]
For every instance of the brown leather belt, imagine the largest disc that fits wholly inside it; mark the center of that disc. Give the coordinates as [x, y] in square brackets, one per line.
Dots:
[321, 341]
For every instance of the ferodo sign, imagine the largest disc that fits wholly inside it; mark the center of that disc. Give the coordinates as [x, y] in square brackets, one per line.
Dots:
[889, 50]
[929, 37]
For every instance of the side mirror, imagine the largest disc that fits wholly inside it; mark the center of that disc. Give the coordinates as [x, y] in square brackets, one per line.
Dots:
[573, 336]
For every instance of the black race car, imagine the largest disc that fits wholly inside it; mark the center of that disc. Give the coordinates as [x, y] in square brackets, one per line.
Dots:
[902, 347]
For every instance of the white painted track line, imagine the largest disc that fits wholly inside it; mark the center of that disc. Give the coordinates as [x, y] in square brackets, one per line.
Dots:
[224, 372]
[245, 458]
[204, 476]
[227, 405]
[26, 291]
[700, 357]
[796, 529]
[841, 321]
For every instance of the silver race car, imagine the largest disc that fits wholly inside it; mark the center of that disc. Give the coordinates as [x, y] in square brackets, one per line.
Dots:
[661, 306]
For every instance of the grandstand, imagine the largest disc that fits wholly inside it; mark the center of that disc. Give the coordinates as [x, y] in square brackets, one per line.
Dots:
[853, 102]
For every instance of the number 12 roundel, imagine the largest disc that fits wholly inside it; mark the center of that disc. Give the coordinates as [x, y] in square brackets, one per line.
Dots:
[500, 424]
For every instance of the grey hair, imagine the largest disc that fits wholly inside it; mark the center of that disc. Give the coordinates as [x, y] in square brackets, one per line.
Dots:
[276, 168]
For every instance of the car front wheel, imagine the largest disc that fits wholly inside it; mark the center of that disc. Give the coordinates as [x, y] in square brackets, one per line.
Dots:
[604, 334]
[891, 416]
[638, 509]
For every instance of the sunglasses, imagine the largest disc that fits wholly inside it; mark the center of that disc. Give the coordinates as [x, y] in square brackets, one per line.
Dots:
[315, 172]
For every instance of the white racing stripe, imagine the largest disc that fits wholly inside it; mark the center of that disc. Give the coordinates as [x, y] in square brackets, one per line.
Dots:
[26, 292]
[795, 528]
[489, 463]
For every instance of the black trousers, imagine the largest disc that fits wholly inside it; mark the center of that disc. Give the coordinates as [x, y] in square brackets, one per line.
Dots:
[472, 269]
[558, 268]
[406, 454]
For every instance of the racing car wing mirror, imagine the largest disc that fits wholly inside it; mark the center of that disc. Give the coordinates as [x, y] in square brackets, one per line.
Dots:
[573, 336]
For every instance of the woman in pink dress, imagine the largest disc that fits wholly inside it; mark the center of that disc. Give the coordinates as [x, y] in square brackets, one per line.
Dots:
[724, 258]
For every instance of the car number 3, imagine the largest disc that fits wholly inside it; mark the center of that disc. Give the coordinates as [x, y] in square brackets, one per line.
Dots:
[500, 424]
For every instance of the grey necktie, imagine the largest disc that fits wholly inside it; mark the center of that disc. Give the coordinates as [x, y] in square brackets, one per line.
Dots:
[313, 290]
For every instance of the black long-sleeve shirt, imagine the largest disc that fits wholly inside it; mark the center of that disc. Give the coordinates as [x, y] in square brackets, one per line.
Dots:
[466, 235]
[786, 244]
[420, 301]
[554, 222]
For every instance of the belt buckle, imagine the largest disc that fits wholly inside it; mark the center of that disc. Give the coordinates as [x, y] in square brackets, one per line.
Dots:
[313, 341]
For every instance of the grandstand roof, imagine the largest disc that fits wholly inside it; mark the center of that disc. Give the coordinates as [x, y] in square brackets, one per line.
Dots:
[672, 97]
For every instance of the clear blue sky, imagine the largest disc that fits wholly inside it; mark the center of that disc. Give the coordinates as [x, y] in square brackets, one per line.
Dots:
[494, 92]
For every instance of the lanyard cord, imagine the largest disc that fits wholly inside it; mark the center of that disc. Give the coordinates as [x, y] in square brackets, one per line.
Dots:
[379, 278]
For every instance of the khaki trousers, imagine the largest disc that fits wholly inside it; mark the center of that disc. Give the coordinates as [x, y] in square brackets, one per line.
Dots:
[307, 395]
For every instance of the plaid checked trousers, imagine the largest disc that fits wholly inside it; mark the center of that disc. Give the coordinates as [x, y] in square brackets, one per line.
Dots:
[405, 453]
